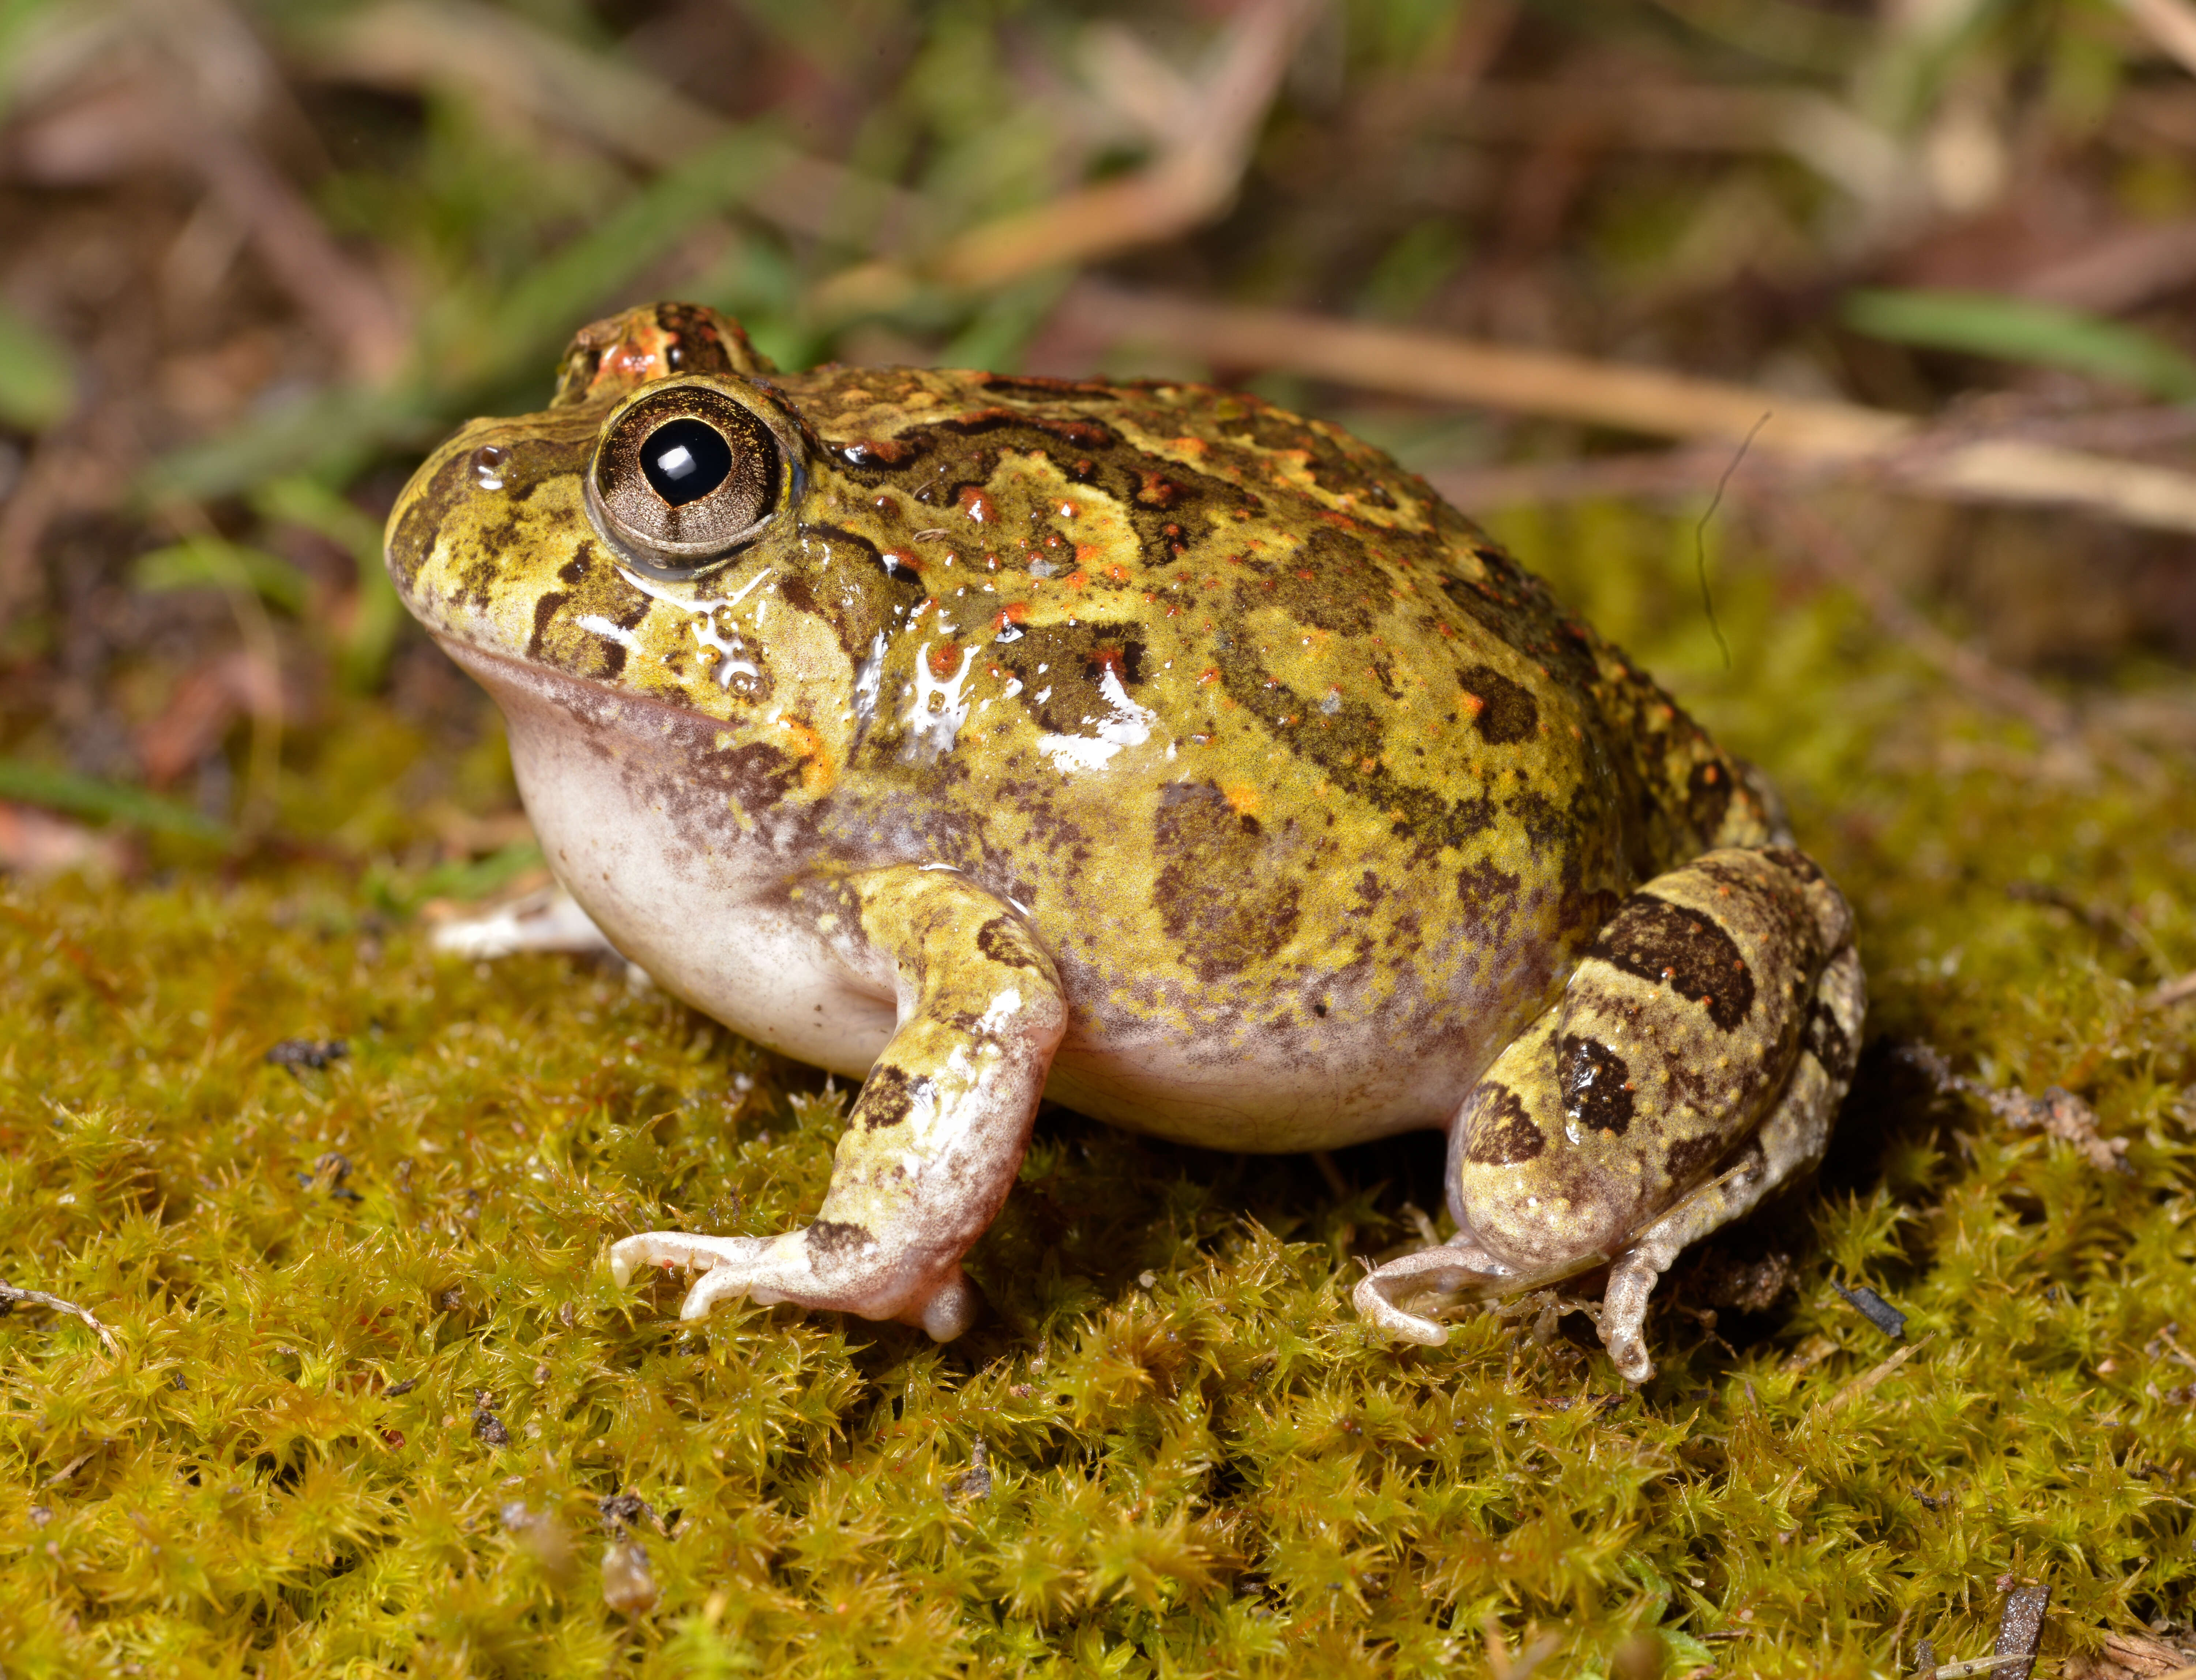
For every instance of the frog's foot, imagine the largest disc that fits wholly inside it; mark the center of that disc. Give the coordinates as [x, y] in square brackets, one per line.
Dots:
[1790, 1141]
[934, 1139]
[820, 1267]
[546, 918]
[1428, 1280]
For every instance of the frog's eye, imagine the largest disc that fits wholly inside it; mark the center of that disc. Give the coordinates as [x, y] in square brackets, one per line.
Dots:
[683, 477]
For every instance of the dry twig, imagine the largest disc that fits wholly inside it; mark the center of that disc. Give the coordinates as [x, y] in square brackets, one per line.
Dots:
[2170, 25]
[147, 123]
[1191, 181]
[1823, 435]
[11, 1297]
[1869, 1379]
[2172, 992]
[2058, 1113]
[2121, 272]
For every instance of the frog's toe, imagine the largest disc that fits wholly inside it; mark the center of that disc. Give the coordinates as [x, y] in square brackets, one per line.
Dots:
[719, 1285]
[1625, 1337]
[1433, 1277]
[667, 1249]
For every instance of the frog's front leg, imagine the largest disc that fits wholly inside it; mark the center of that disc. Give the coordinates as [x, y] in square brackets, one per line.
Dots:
[1695, 1062]
[938, 1133]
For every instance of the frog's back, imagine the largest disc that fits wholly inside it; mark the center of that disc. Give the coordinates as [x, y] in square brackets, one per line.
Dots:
[1286, 762]
[1311, 793]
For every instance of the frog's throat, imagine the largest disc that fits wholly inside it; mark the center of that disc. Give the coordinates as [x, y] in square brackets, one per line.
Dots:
[662, 837]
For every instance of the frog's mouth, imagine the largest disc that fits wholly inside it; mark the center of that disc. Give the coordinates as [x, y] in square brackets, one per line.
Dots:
[524, 685]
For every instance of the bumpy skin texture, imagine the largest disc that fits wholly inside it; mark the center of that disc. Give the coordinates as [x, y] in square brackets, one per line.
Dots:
[1305, 797]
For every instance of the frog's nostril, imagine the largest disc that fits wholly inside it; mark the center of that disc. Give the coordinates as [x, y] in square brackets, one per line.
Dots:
[685, 459]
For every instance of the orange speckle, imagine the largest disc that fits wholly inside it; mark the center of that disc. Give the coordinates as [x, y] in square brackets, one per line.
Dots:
[1242, 798]
[1089, 553]
[977, 506]
[817, 771]
[945, 659]
[1208, 676]
[1077, 579]
[1118, 574]
[1192, 446]
[1067, 510]
[1473, 704]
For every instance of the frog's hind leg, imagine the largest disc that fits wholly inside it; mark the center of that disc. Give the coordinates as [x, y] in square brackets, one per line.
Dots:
[1400, 1297]
[1719, 1000]
[938, 1133]
[1790, 1141]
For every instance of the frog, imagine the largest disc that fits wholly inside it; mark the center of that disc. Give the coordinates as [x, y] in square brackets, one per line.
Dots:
[1140, 747]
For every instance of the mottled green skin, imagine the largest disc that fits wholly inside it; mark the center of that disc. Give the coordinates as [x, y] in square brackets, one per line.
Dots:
[1386, 791]
[1145, 747]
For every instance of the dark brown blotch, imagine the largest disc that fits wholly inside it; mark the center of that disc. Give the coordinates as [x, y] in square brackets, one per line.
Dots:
[1794, 862]
[1596, 1084]
[1003, 942]
[1507, 712]
[831, 1240]
[1707, 797]
[1688, 1159]
[1657, 940]
[1498, 1131]
[545, 613]
[1222, 893]
[888, 1096]
[1067, 664]
[1488, 894]
[1828, 1042]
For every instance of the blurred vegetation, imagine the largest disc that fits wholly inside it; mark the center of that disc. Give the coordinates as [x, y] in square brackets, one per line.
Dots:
[376, 1408]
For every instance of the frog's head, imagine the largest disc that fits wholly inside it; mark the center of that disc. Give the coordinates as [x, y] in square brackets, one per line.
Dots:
[654, 532]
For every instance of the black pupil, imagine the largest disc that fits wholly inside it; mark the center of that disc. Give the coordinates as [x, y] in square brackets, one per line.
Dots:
[684, 460]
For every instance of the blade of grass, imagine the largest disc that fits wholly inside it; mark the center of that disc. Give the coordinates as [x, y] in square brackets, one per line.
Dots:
[2017, 330]
[212, 563]
[38, 380]
[87, 796]
[373, 632]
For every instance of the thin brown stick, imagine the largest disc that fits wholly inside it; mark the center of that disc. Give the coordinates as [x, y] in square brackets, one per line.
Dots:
[1868, 1380]
[13, 1297]
[1189, 182]
[1639, 473]
[2170, 25]
[1448, 369]
[2122, 272]
[1824, 435]
[2172, 992]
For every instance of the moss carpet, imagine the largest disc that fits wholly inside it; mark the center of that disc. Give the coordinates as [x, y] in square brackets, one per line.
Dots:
[373, 1405]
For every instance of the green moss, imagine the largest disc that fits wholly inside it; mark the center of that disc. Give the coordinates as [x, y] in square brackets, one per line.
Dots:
[1193, 1460]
